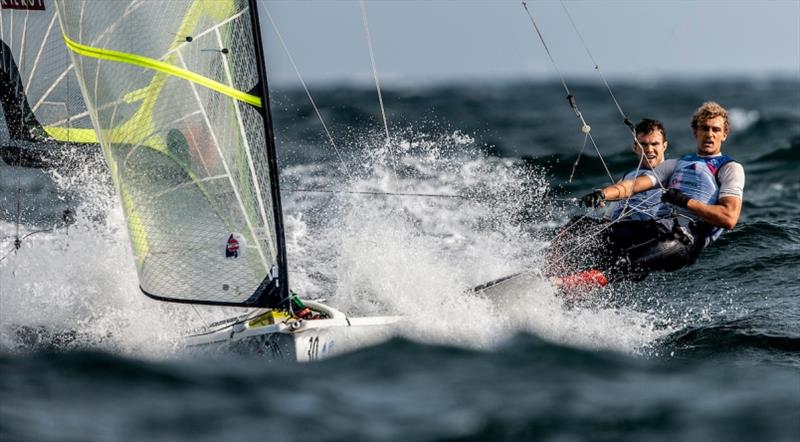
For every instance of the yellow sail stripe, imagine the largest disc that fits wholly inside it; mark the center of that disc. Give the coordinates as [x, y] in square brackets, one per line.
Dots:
[71, 134]
[150, 63]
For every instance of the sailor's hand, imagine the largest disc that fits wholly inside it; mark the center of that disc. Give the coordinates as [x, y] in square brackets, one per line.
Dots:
[675, 197]
[594, 199]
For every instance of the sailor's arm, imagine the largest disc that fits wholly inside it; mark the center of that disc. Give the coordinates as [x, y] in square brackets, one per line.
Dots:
[724, 214]
[617, 191]
[626, 188]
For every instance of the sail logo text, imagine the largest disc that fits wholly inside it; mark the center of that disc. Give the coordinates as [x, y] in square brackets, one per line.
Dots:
[30, 5]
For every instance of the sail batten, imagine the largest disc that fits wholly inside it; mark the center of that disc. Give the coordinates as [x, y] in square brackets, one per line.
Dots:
[242, 131]
[213, 135]
[187, 147]
[39, 53]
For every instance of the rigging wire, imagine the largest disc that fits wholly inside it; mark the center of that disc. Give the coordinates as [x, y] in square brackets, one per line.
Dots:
[305, 87]
[578, 158]
[66, 217]
[365, 21]
[21, 103]
[585, 128]
[562, 256]
[625, 120]
[355, 192]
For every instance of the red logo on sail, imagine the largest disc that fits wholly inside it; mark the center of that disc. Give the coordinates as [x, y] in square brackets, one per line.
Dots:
[232, 248]
[29, 5]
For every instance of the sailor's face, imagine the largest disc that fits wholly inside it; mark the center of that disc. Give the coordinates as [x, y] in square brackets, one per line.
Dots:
[653, 148]
[710, 134]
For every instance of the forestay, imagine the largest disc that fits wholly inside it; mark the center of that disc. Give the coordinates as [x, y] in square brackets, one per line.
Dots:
[176, 92]
[39, 94]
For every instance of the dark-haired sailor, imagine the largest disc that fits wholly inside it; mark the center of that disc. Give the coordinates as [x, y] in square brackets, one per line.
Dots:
[703, 195]
[567, 251]
[650, 147]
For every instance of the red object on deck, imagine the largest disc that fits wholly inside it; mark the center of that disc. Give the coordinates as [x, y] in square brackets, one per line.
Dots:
[585, 280]
[304, 313]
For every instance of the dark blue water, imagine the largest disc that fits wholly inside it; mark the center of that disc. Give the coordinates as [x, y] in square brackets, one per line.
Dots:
[707, 353]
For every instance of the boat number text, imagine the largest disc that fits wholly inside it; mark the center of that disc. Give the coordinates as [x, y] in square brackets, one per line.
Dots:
[313, 348]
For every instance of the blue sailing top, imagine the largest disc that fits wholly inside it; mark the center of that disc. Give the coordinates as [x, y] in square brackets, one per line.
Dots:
[641, 206]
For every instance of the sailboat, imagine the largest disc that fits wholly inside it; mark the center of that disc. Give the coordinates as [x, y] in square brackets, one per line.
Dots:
[177, 95]
[39, 92]
[42, 116]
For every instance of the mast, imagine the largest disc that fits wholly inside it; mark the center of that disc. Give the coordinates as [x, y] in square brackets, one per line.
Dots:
[269, 136]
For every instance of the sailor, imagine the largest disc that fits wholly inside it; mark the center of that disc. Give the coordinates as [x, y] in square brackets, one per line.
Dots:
[703, 196]
[650, 147]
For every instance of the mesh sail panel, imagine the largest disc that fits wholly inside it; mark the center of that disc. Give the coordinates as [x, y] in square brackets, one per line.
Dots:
[167, 85]
[41, 98]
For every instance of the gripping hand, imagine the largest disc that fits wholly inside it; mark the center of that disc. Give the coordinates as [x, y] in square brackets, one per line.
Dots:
[594, 199]
[675, 197]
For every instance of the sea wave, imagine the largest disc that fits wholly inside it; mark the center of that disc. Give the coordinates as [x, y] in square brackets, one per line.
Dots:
[730, 337]
[398, 391]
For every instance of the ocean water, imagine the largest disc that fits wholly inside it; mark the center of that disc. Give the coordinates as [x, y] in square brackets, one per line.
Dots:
[706, 353]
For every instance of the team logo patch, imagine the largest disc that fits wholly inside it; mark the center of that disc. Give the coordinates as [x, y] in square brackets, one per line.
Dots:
[30, 5]
[234, 246]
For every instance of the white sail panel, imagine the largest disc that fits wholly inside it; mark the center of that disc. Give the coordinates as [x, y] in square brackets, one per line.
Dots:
[168, 86]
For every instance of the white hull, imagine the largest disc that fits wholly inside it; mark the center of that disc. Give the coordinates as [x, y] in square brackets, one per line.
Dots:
[297, 339]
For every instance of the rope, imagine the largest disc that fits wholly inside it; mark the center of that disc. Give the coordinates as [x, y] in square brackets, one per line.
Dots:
[596, 65]
[18, 220]
[18, 241]
[66, 217]
[305, 87]
[627, 210]
[559, 259]
[571, 98]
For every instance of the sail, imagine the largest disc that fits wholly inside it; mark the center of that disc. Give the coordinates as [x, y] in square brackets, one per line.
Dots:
[176, 92]
[39, 94]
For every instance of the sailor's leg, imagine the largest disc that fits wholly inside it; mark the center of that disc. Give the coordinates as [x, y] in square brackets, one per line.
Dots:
[667, 255]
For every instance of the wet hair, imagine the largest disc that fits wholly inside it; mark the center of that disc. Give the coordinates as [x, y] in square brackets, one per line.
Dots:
[648, 125]
[709, 109]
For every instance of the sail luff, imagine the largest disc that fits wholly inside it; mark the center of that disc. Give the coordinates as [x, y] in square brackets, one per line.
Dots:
[240, 123]
[266, 111]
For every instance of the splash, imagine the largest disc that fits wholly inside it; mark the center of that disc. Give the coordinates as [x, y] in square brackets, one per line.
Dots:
[75, 286]
[366, 254]
[420, 256]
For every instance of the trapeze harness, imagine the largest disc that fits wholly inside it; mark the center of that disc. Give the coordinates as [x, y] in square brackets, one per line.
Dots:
[667, 237]
[696, 177]
[643, 205]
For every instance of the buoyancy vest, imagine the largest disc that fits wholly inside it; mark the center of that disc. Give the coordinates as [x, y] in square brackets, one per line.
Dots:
[642, 205]
[696, 177]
